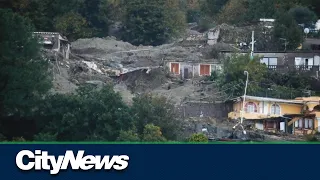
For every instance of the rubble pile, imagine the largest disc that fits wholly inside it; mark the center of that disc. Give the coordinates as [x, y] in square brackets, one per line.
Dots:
[139, 69]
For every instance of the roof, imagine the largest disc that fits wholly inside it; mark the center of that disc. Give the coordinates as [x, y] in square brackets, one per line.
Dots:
[51, 33]
[265, 99]
[63, 38]
[309, 99]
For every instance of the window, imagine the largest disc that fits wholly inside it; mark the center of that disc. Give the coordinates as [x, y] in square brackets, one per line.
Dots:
[304, 124]
[275, 109]
[269, 61]
[300, 123]
[251, 107]
[310, 124]
[270, 124]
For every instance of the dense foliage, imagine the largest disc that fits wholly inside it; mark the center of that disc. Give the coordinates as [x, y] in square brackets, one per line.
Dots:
[154, 22]
[28, 111]
[148, 22]
[23, 71]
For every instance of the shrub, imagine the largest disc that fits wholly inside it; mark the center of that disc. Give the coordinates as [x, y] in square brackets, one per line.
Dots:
[198, 138]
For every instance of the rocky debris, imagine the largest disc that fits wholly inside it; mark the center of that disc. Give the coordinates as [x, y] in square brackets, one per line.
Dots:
[100, 61]
[126, 94]
[223, 130]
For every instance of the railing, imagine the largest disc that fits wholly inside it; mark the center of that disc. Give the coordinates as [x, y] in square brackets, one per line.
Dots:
[286, 68]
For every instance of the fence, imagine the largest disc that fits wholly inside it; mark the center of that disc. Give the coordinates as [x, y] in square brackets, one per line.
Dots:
[299, 68]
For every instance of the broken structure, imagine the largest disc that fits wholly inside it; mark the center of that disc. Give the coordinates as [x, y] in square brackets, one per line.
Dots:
[191, 69]
[56, 42]
[298, 116]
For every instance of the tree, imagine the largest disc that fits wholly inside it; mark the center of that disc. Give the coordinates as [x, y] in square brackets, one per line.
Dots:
[304, 15]
[151, 22]
[285, 5]
[72, 25]
[233, 12]
[232, 80]
[287, 28]
[128, 136]
[212, 7]
[198, 138]
[152, 133]
[90, 114]
[260, 9]
[96, 14]
[24, 75]
[314, 5]
[40, 12]
[148, 109]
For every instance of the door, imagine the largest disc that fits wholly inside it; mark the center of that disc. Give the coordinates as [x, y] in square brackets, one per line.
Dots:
[186, 73]
[204, 70]
[310, 63]
[318, 124]
[175, 68]
[282, 126]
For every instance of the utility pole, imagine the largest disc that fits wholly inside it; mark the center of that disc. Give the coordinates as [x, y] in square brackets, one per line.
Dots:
[243, 104]
[244, 96]
[252, 45]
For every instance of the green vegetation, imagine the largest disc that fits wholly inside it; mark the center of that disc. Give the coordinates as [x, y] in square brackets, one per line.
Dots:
[261, 81]
[154, 22]
[198, 138]
[28, 112]
[24, 75]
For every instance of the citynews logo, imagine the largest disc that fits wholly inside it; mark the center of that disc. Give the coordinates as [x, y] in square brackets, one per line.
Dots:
[40, 160]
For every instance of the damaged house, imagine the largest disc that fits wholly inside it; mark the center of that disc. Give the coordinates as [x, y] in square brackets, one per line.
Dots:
[192, 69]
[299, 116]
[56, 42]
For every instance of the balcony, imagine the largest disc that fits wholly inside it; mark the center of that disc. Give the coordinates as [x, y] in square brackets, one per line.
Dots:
[299, 68]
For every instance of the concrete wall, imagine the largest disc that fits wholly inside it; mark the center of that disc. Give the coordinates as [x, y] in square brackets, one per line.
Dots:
[196, 109]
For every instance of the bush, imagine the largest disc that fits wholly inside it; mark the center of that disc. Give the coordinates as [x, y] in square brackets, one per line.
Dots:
[198, 138]
[152, 133]
[128, 136]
